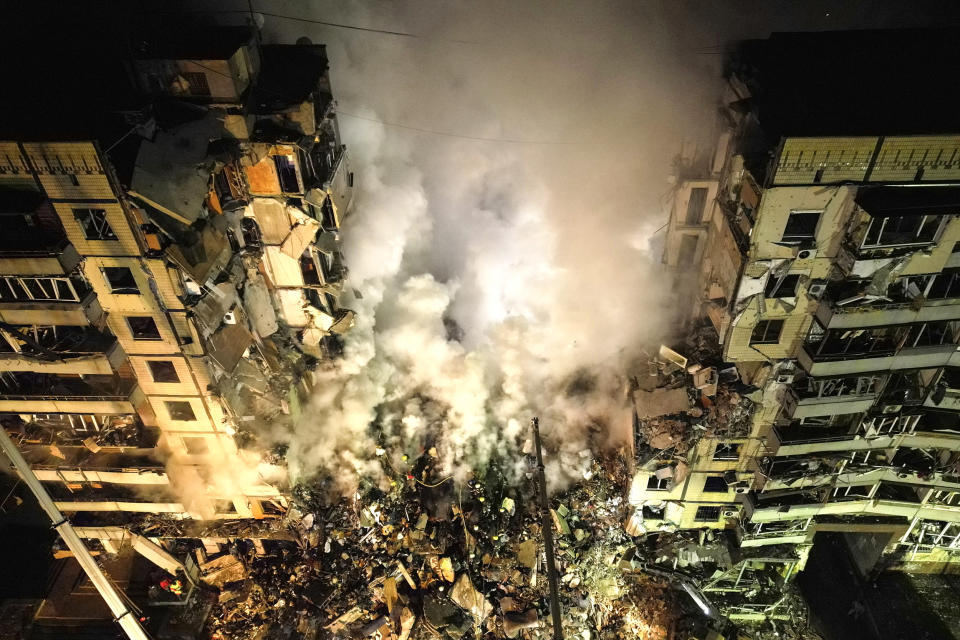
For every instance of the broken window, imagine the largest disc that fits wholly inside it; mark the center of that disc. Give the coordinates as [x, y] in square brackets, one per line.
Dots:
[287, 173]
[696, 205]
[143, 328]
[801, 227]
[784, 286]
[892, 231]
[197, 83]
[766, 332]
[179, 410]
[715, 484]
[707, 514]
[163, 371]
[195, 445]
[39, 289]
[727, 451]
[658, 484]
[120, 280]
[94, 224]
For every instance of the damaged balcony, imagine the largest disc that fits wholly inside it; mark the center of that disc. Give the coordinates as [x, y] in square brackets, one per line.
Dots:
[756, 534]
[938, 430]
[859, 303]
[48, 299]
[946, 392]
[57, 434]
[831, 396]
[838, 352]
[59, 350]
[914, 467]
[33, 239]
[24, 392]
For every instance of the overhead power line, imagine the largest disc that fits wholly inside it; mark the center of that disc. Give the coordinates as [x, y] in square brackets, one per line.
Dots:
[325, 23]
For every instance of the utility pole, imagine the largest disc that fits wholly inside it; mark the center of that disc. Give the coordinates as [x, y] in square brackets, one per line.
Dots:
[121, 613]
[546, 523]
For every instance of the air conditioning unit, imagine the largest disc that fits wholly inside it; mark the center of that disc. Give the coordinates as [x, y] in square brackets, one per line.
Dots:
[743, 489]
[893, 408]
[816, 289]
[730, 513]
[806, 254]
[785, 379]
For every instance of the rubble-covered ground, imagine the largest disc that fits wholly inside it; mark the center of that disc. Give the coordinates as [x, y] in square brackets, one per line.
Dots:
[437, 560]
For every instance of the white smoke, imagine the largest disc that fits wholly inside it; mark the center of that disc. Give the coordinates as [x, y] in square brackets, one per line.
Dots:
[534, 252]
[538, 252]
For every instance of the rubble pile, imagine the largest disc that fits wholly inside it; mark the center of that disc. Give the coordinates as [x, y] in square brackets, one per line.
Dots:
[436, 560]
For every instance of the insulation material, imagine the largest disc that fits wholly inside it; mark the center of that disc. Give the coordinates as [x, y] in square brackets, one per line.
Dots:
[272, 218]
[300, 238]
[282, 270]
[292, 305]
[262, 177]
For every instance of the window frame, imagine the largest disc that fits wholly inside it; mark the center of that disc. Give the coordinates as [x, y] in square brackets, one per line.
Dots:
[134, 332]
[778, 322]
[796, 238]
[704, 509]
[176, 408]
[124, 290]
[94, 224]
[160, 366]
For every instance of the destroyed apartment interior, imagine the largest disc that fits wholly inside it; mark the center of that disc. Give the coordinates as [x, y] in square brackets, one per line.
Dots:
[200, 440]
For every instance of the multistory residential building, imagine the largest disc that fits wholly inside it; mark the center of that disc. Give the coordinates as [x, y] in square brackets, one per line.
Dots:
[171, 274]
[821, 241]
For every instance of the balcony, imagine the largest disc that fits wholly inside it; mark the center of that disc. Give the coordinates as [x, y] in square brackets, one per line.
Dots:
[835, 396]
[912, 299]
[866, 507]
[23, 392]
[59, 350]
[48, 300]
[838, 352]
[33, 240]
[929, 430]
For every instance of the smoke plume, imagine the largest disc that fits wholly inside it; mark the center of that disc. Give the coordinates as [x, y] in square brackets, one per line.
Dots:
[511, 161]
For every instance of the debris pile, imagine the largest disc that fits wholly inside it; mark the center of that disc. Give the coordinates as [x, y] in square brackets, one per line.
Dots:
[436, 560]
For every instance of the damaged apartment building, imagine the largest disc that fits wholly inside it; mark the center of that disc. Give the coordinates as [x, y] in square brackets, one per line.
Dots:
[821, 237]
[170, 271]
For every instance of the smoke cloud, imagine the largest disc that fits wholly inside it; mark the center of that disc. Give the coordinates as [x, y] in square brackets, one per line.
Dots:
[511, 162]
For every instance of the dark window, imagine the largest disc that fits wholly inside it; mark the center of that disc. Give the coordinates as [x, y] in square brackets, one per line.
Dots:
[766, 332]
[727, 451]
[94, 224]
[658, 484]
[120, 280]
[707, 514]
[328, 220]
[287, 173]
[890, 231]
[946, 284]
[73, 179]
[688, 250]
[801, 226]
[784, 286]
[696, 205]
[195, 445]
[180, 410]
[163, 371]
[715, 484]
[143, 328]
[198, 83]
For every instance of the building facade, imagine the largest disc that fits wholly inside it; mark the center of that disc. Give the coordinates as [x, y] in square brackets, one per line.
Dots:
[167, 291]
[825, 262]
